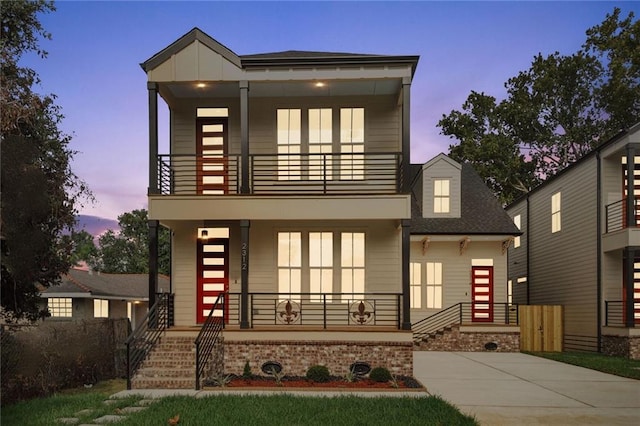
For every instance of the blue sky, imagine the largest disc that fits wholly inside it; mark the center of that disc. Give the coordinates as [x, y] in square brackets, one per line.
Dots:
[93, 63]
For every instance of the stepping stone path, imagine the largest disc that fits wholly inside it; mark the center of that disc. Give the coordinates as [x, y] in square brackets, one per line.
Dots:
[141, 405]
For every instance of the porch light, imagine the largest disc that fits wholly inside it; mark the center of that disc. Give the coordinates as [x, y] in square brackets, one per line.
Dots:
[204, 234]
[201, 85]
[319, 84]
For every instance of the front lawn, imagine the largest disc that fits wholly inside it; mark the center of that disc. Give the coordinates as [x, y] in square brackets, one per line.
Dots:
[619, 366]
[241, 410]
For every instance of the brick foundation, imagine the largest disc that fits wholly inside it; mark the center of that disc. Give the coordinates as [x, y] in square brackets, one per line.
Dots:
[624, 346]
[457, 339]
[297, 356]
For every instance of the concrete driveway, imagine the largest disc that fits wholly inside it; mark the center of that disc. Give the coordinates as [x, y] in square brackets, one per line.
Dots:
[518, 389]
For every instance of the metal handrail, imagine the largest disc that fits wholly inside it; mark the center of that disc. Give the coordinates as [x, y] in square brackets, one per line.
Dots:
[614, 313]
[208, 337]
[300, 173]
[461, 313]
[143, 339]
[616, 215]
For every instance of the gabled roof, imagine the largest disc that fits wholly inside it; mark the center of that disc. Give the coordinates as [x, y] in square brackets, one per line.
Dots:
[480, 211]
[284, 58]
[85, 284]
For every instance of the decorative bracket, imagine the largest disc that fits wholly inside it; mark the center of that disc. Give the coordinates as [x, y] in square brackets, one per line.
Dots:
[505, 244]
[464, 243]
[425, 245]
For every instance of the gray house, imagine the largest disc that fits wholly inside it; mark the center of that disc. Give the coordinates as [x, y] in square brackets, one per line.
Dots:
[86, 294]
[581, 249]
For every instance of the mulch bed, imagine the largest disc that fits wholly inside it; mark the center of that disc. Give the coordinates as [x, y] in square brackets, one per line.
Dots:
[256, 382]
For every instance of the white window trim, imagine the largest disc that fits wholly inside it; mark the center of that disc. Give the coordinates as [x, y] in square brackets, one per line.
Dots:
[441, 198]
[433, 285]
[100, 308]
[289, 268]
[415, 284]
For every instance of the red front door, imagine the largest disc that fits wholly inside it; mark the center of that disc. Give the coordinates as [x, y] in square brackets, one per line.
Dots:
[212, 163]
[636, 292]
[482, 293]
[213, 273]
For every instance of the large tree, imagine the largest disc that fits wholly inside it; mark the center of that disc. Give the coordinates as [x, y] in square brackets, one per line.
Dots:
[554, 113]
[127, 251]
[40, 193]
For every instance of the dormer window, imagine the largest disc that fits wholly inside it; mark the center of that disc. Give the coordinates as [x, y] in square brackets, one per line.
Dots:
[441, 196]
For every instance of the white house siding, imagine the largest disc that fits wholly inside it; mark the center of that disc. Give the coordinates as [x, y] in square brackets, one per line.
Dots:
[382, 249]
[517, 257]
[563, 264]
[456, 270]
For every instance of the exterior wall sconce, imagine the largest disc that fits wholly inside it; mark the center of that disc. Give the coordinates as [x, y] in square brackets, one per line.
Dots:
[204, 235]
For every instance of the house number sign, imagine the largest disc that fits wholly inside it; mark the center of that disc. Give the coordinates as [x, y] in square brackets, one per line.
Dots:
[244, 254]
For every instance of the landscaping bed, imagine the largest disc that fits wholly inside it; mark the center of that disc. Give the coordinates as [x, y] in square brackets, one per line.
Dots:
[334, 382]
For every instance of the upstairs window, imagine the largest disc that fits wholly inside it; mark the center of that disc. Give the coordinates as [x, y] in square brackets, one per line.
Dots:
[320, 143]
[352, 143]
[60, 307]
[556, 220]
[289, 131]
[441, 196]
[516, 240]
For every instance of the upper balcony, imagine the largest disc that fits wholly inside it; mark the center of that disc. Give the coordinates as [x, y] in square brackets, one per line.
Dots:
[621, 231]
[281, 174]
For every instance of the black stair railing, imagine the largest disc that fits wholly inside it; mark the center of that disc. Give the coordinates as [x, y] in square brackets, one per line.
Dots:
[209, 336]
[439, 320]
[146, 335]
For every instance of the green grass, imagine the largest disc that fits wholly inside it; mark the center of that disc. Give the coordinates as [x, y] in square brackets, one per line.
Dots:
[240, 410]
[607, 364]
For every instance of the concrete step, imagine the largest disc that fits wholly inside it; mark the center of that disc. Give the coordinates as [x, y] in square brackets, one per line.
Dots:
[163, 383]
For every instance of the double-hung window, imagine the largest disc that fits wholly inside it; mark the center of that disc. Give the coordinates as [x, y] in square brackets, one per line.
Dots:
[556, 219]
[320, 265]
[516, 240]
[100, 308]
[352, 263]
[289, 132]
[441, 200]
[434, 285]
[352, 143]
[289, 265]
[320, 143]
[415, 284]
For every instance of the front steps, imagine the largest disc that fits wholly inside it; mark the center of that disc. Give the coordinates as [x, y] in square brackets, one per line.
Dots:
[170, 365]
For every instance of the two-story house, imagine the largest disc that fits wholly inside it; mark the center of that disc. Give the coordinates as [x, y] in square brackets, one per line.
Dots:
[580, 247]
[287, 188]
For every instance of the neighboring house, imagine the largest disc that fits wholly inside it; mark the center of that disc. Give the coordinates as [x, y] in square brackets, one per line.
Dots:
[580, 249]
[459, 239]
[287, 187]
[86, 294]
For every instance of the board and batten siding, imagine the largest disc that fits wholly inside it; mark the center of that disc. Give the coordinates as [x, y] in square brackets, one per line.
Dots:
[563, 265]
[382, 121]
[383, 272]
[456, 271]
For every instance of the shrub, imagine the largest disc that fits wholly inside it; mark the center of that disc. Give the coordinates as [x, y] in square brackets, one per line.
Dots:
[380, 374]
[318, 374]
[246, 372]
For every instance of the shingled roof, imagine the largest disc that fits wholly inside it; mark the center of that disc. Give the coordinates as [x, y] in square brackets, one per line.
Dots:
[481, 213]
[85, 284]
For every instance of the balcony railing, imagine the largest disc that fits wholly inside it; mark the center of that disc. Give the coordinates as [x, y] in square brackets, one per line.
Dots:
[327, 173]
[318, 310]
[617, 215]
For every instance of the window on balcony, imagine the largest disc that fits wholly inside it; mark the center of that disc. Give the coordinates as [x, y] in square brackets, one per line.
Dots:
[289, 140]
[352, 143]
[441, 199]
[352, 263]
[100, 308]
[556, 222]
[320, 143]
[415, 283]
[289, 265]
[60, 307]
[516, 240]
[434, 285]
[320, 265]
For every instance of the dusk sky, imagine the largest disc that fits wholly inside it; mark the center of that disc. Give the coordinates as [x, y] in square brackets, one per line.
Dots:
[93, 63]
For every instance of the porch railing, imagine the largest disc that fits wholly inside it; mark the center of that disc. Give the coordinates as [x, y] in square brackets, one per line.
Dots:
[617, 215]
[461, 313]
[305, 173]
[322, 310]
[146, 335]
[209, 337]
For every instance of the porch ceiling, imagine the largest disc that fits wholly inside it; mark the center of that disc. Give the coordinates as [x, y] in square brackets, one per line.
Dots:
[283, 88]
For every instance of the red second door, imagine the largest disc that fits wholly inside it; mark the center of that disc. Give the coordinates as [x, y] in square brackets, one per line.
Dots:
[482, 293]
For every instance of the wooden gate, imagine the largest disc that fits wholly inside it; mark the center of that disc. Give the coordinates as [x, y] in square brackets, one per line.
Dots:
[540, 328]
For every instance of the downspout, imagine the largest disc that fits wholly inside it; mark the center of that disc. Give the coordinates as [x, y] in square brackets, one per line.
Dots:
[528, 257]
[599, 250]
